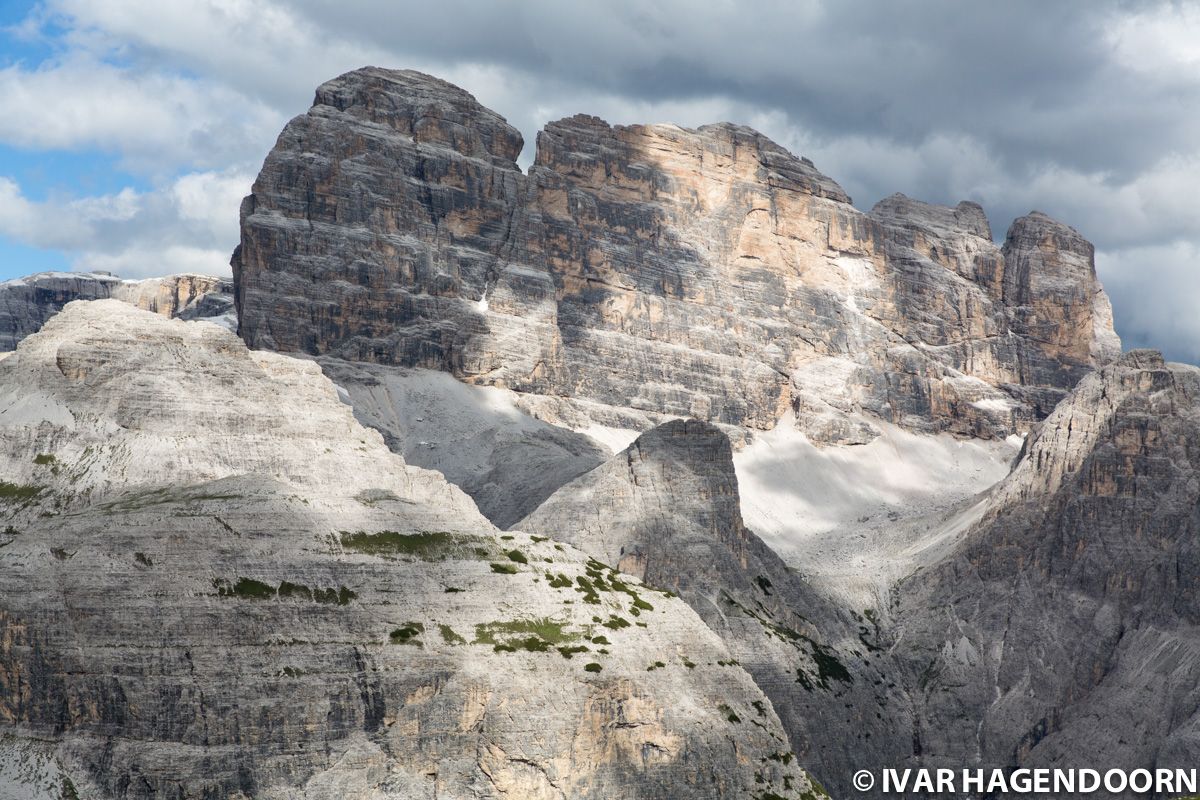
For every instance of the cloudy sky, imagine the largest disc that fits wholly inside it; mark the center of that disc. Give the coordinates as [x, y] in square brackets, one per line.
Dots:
[131, 128]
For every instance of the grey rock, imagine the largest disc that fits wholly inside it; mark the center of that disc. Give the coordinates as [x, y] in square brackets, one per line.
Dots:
[666, 510]
[1064, 629]
[26, 303]
[216, 583]
[507, 461]
[675, 272]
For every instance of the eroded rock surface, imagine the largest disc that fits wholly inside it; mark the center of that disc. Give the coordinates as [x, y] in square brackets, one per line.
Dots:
[26, 303]
[705, 273]
[1065, 629]
[666, 510]
[216, 583]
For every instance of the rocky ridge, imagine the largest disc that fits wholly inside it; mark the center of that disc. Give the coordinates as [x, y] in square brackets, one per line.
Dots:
[675, 272]
[633, 274]
[1067, 617]
[1041, 634]
[268, 603]
[666, 510]
[26, 303]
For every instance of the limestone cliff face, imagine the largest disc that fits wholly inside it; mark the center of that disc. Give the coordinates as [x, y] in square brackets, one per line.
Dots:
[216, 583]
[26, 303]
[666, 510]
[1063, 618]
[1068, 617]
[702, 272]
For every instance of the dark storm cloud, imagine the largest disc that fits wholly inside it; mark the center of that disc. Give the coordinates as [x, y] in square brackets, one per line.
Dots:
[1036, 80]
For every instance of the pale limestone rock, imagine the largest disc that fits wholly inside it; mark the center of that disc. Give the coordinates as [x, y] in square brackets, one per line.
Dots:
[185, 608]
[26, 303]
[653, 269]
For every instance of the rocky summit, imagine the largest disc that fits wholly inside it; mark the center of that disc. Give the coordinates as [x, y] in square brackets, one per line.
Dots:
[705, 273]
[654, 470]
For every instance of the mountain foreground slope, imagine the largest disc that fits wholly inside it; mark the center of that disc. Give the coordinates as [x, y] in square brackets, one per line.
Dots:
[218, 584]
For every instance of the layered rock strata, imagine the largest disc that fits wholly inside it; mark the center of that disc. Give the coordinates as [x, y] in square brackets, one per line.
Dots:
[217, 583]
[705, 272]
[1065, 629]
[666, 510]
[26, 303]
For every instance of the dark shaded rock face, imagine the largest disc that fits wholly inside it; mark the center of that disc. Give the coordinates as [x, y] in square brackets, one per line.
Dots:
[26, 303]
[1062, 630]
[667, 511]
[1066, 628]
[702, 272]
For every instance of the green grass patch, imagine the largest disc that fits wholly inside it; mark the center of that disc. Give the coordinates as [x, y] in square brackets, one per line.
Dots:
[545, 628]
[588, 589]
[517, 556]
[44, 459]
[654, 666]
[592, 667]
[449, 636]
[530, 635]
[340, 596]
[246, 589]
[251, 589]
[828, 666]
[569, 650]
[14, 492]
[615, 623]
[289, 589]
[407, 634]
[504, 569]
[426, 546]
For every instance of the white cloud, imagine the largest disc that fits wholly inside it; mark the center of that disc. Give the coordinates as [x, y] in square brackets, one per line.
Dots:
[188, 225]
[1161, 41]
[154, 122]
[1160, 286]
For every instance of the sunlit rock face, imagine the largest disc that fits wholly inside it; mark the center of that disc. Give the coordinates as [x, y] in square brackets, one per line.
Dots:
[26, 303]
[216, 583]
[705, 273]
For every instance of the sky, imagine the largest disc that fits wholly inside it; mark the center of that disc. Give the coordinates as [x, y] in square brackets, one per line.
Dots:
[131, 129]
